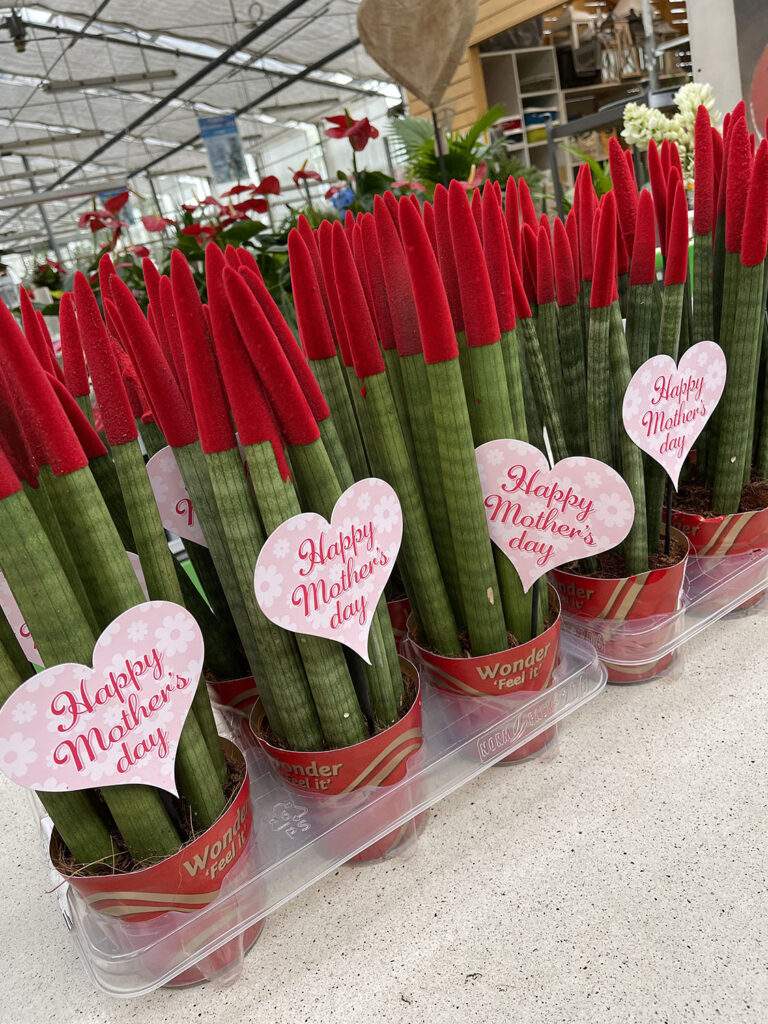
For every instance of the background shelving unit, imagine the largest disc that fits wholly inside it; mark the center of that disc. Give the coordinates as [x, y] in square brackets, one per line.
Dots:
[527, 81]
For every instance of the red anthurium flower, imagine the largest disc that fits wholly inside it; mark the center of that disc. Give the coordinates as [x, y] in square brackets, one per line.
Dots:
[236, 190]
[359, 132]
[115, 203]
[189, 207]
[139, 250]
[305, 174]
[95, 219]
[257, 205]
[332, 191]
[154, 223]
[269, 186]
[210, 201]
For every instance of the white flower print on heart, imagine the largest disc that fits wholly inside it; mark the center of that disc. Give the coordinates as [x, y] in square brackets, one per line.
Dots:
[17, 753]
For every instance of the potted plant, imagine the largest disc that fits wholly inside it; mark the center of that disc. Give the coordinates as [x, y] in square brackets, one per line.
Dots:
[117, 845]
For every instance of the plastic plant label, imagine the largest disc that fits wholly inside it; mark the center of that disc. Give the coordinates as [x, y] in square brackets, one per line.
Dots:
[666, 406]
[74, 727]
[325, 579]
[177, 513]
[542, 517]
[16, 621]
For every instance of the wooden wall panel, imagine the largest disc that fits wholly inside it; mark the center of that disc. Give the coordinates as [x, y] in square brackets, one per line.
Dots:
[465, 96]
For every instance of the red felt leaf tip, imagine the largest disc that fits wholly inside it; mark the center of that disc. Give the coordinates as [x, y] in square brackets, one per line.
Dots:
[586, 204]
[704, 174]
[572, 230]
[429, 224]
[377, 286]
[89, 440]
[479, 309]
[604, 276]
[55, 442]
[643, 262]
[434, 313]
[739, 172]
[625, 188]
[659, 190]
[288, 343]
[755, 237]
[290, 407]
[250, 408]
[402, 309]
[530, 257]
[477, 210]
[206, 391]
[314, 330]
[112, 398]
[445, 257]
[168, 405]
[361, 334]
[325, 247]
[677, 247]
[75, 373]
[496, 246]
[545, 277]
[565, 276]
[9, 482]
[527, 208]
[31, 328]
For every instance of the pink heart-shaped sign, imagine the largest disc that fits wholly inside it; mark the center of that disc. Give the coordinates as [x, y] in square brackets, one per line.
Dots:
[325, 579]
[666, 407]
[73, 727]
[177, 513]
[542, 517]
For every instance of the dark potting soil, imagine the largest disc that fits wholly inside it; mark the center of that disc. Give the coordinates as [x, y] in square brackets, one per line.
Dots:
[612, 566]
[697, 498]
[122, 862]
[409, 695]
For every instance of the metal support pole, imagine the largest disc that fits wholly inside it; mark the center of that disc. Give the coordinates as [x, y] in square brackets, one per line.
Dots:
[649, 46]
[439, 148]
[155, 196]
[43, 215]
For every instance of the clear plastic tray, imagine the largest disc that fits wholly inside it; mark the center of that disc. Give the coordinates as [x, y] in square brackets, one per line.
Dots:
[713, 588]
[298, 838]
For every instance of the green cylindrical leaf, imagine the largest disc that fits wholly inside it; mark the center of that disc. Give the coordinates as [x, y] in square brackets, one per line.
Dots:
[542, 388]
[333, 691]
[330, 377]
[510, 348]
[600, 402]
[419, 406]
[574, 379]
[643, 322]
[288, 702]
[62, 634]
[319, 490]
[743, 336]
[464, 503]
[428, 594]
[636, 544]
[163, 584]
[546, 329]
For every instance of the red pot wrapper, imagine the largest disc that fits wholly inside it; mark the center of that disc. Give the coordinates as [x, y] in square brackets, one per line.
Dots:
[399, 611]
[381, 760]
[188, 881]
[648, 597]
[722, 546]
[236, 694]
[526, 668]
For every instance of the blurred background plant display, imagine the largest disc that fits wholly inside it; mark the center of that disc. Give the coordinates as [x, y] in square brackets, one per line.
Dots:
[468, 156]
[642, 123]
